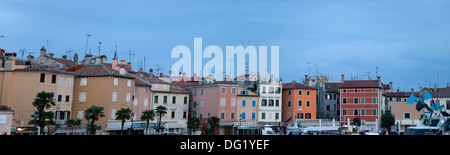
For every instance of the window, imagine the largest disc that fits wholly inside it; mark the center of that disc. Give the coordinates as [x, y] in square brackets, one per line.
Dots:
[254, 103]
[172, 115]
[374, 112]
[253, 115]
[129, 83]
[374, 100]
[289, 103]
[114, 96]
[271, 90]
[447, 104]
[264, 102]
[277, 103]
[264, 89]
[356, 100]
[299, 115]
[289, 93]
[201, 91]
[68, 82]
[363, 100]
[243, 103]
[222, 115]
[174, 99]
[184, 114]
[201, 103]
[146, 89]
[145, 102]
[116, 82]
[136, 89]
[233, 90]
[128, 98]
[53, 79]
[299, 103]
[113, 113]
[67, 98]
[61, 81]
[243, 115]
[165, 99]
[344, 90]
[277, 116]
[344, 100]
[363, 111]
[328, 97]
[83, 82]
[374, 90]
[362, 90]
[307, 115]
[80, 115]
[82, 97]
[185, 100]
[156, 98]
[308, 104]
[355, 112]
[278, 90]
[299, 93]
[308, 93]
[270, 102]
[356, 90]
[328, 108]
[233, 102]
[135, 102]
[263, 115]
[59, 98]
[223, 90]
[222, 102]
[195, 92]
[42, 79]
[344, 112]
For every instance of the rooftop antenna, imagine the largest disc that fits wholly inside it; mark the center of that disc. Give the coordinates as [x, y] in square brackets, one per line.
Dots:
[99, 44]
[48, 49]
[115, 52]
[144, 64]
[377, 72]
[437, 75]
[309, 69]
[22, 51]
[69, 53]
[87, 41]
[157, 69]
[368, 75]
[129, 56]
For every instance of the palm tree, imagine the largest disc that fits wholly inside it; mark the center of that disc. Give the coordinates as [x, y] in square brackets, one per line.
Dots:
[73, 123]
[123, 114]
[214, 122]
[93, 114]
[43, 101]
[161, 110]
[192, 124]
[148, 115]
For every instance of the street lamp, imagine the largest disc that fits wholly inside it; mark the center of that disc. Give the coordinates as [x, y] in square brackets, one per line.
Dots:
[36, 117]
[132, 116]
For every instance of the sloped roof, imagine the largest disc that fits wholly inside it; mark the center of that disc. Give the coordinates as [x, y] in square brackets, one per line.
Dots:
[441, 92]
[360, 84]
[332, 87]
[295, 85]
[96, 71]
[39, 68]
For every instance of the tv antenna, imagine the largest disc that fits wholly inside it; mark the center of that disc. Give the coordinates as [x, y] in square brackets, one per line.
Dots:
[22, 51]
[158, 69]
[87, 41]
[99, 45]
[129, 56]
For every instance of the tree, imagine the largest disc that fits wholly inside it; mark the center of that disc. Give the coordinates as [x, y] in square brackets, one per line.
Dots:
[73, 123]
[387, 120]
[193, 123]
[93, 114]
[161, 110]
[357, 121]
[44, 100]
[148, 115]
[123, 114]
[214, 122]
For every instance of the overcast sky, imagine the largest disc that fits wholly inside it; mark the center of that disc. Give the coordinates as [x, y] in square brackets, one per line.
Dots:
[409, 40]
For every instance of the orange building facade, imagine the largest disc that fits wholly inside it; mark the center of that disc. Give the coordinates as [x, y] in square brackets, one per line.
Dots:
[299, 102]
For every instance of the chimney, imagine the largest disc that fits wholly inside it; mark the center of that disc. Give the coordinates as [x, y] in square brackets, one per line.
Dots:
[10, 62]
[161, 74]
[75, 58]
[123, 62]
[294, 81]
[103, 58]
[151, 72]
[87, 59]
[434, 89]
[412, 90]
[30, 58]
[141, 69]
[114, 64]
[448, 85]
[43, 51]
[398, 89]
[51, 55]
[64, 56]
[342, 78]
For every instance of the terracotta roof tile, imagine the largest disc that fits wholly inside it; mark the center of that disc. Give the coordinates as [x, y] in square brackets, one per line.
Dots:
[296, 86]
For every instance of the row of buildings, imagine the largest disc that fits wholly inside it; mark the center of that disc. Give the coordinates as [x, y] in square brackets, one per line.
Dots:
[78, 85]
